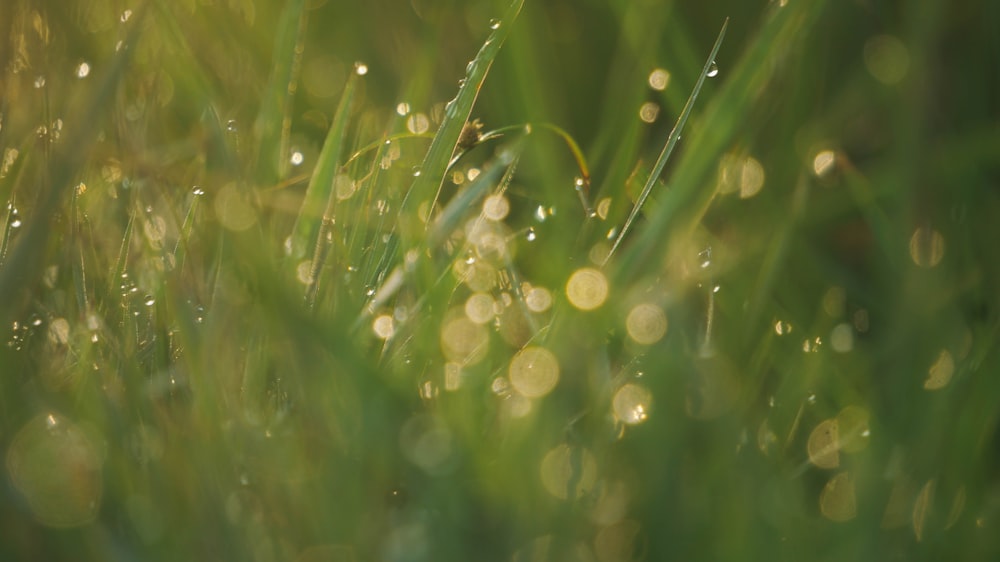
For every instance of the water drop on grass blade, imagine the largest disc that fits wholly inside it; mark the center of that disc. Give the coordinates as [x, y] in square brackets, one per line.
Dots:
[713, 70]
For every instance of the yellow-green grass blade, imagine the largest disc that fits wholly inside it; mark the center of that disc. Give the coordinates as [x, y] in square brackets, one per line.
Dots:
[22, 265]
[320, 188]
[274, 119]
[428, 180]
[668, 148]
[683, 206]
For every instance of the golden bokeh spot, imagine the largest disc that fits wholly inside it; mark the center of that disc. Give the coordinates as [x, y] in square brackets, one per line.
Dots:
[854, 431]
[538, 299]
[304, 272]
[926, 247]
[823, 445]
[659, 79]
[649, 112]
[57, 469]
[534, 372]
[921, 509]
[496, 207]
[823, 162]
[480, 308]
[646, 323]
[837, 501]
[603, 206]
[384, 327]
[587, 288]
[233, 209]
[563, 467]
[344, 186]
[940, 373]
[632, 403]
[463, 341]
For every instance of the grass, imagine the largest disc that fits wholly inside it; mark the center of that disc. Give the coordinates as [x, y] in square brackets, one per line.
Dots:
[276, 287]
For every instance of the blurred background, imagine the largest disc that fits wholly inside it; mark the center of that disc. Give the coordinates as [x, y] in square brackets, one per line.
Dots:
[796, 359]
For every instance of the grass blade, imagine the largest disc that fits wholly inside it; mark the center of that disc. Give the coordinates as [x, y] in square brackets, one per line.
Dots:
[320, 187]
[22, 265]
[688, 199]
[274, 120]
[457, 111]
[672, 139]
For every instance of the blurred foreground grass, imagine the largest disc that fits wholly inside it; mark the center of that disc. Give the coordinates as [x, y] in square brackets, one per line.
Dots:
[255, 310]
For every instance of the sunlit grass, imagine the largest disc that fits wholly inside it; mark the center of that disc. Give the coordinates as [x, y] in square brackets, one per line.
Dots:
[302, 281]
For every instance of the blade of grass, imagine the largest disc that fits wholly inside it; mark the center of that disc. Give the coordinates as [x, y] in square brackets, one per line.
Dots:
[688, 199]
[274, 120]
[320, 189]
[435, 164]
[668, 149]
[459, 206]
[23, 265]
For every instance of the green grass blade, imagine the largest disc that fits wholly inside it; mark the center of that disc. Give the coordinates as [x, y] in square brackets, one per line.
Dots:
[274, 119]
[672, 139]
[320, 188]
[457, 111]
[459, 206]
[684, 205]
[22, 265]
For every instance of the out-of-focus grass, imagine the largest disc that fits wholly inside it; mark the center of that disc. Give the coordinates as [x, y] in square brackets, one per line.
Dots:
[239, 326]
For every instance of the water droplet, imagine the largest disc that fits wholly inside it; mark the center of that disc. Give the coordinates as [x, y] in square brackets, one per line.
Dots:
[149, 301]
[198, 191]
[470, 67]
[494, 23]
[402, 109]
[360, 68]
[16, 223]
[40, 82]
[231, 126]
[579, 184]
[713, 70]
[125, 16]
[416, 171]
[297, 158]
[82, 70]
[530, 236]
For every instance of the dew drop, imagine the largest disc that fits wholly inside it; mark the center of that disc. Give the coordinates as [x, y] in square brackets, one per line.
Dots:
[125, 16]
[297, 158]
[494, 23]
[149, 301]
[530, 236]
[402, 109]
[713, 70]
[39, 82]
[416, 171]
[82, 70]
[198, 191]
[231, 126]
[360, 68]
